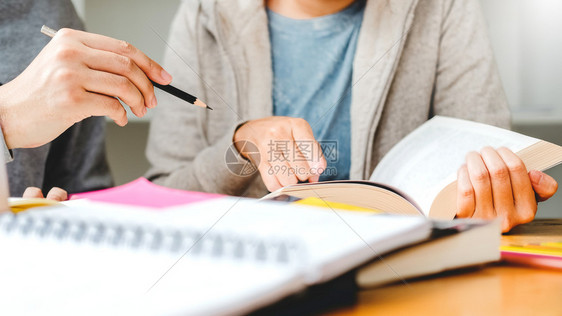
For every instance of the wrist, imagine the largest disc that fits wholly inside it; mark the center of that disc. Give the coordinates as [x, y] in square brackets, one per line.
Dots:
[5, 114]
[239, 139]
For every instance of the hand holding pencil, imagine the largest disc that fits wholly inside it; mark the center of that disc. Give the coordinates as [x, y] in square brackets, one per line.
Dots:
[165, 87]
[77, 75]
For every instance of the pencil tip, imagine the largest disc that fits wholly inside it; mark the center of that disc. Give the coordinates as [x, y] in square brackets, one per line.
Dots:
[200, 103]
[210, 108]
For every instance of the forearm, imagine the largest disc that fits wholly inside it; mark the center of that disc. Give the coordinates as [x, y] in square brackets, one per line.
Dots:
[199, 169]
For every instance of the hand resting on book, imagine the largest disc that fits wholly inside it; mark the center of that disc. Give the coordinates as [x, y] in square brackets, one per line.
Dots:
[495, 183]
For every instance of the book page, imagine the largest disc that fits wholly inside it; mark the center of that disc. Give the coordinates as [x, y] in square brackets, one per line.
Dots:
[427, 160]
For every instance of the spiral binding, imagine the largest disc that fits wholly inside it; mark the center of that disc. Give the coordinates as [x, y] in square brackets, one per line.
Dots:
[171, 240]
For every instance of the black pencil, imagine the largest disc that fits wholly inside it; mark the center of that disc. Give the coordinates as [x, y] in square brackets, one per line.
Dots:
[168, 88]
[181, 94]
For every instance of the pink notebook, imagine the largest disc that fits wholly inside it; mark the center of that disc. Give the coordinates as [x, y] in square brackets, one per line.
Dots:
[142, 192]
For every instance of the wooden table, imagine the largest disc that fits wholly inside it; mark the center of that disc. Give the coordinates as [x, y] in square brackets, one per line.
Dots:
[498, 289]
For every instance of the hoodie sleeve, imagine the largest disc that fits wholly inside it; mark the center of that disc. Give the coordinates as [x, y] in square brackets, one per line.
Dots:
[468, 84]
[180, 149]
[8, 156]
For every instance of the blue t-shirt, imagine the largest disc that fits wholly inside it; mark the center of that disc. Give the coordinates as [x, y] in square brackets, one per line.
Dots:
[312, 72]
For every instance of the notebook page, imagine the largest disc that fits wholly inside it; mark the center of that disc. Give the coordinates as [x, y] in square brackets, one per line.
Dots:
[53, 275]
[333, 242]
[321, 245]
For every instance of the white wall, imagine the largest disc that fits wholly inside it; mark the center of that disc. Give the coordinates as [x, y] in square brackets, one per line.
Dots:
[143, 23]
[526, 38]
[136, 21]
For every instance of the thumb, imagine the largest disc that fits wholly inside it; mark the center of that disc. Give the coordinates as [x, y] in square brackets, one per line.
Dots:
[544, 185]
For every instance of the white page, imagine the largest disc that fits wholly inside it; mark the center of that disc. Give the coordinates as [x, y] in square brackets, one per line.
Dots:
[427, 160]
[61, 277]
[333, 241]
[67, 278]
[100, 282]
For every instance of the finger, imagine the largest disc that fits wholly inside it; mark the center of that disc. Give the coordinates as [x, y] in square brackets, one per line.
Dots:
[302, 133]
[116, 86]
[298, 160]
[102, 105]
[123, 66]
[283, 171]
[480, 179]
[265, 169]
[523, 194]
[502, 193]
[32, 193]
[271, 182]
[57, 194]
[151, 68]
[544, 185]
[465, 194]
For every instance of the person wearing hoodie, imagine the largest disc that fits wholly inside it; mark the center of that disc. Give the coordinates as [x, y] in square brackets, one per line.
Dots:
[360, 74]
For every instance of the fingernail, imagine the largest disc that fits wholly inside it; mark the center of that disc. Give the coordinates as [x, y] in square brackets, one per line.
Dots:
[166, 76]
[536, 176]
[144, 111]
[154, 102]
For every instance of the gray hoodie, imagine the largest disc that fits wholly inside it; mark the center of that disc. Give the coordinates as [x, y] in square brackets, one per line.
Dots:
[414, 59]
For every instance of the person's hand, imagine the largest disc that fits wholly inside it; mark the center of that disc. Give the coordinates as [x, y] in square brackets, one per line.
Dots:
[288, 151]
[495, 183]
[55, 194]
[75, 76]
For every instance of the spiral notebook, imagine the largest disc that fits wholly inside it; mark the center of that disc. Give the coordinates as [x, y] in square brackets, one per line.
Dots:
[223, 256]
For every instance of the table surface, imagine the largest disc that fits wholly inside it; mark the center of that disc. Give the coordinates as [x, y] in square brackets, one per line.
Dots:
[491, 290]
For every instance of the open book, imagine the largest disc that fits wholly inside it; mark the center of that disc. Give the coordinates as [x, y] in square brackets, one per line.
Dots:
[418, 175]
[222, 255]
